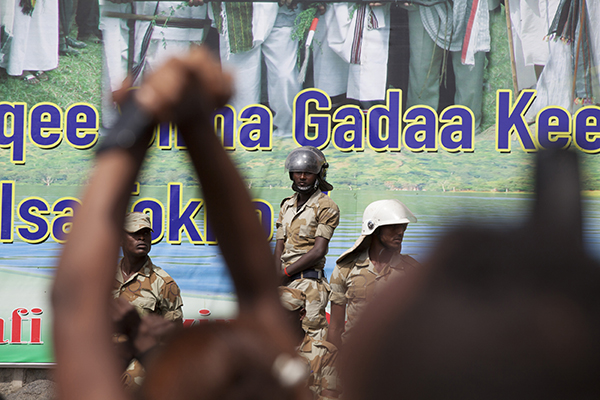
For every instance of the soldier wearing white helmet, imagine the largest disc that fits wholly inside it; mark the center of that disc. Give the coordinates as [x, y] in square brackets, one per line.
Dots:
[373, 259]
[305, 225]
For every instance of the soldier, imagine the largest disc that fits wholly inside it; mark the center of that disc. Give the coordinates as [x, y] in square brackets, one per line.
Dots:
[305, 225]
[144, 285]
[374, 258]
[320, 355]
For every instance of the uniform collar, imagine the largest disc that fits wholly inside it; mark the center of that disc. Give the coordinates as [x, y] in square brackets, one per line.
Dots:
[364, 261]
[145, 271]
[312, 199]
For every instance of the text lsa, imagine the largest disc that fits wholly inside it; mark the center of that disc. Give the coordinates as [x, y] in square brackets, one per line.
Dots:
[381, 127]
[40, 220]
[555, 127]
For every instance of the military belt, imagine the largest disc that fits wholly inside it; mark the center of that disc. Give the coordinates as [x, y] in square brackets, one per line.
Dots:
[310, 273]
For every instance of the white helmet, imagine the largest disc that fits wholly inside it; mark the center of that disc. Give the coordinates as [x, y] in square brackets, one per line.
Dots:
[385, 212]
[378, 213]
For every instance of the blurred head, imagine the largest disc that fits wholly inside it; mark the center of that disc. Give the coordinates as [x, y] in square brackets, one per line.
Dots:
[496, 316]
[492, 315]
[224, 361]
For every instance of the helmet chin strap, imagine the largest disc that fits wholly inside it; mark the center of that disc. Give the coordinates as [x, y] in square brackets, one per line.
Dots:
[306, 189]
[301, 190]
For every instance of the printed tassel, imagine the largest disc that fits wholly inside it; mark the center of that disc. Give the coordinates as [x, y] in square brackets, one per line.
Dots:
[309, 39]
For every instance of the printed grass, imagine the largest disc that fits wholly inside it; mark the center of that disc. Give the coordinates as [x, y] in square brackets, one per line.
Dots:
[76, 80]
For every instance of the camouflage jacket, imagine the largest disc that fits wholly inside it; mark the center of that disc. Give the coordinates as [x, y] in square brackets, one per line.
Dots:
[319, 216]
[321, 357]
[354, 282]
[150, 290]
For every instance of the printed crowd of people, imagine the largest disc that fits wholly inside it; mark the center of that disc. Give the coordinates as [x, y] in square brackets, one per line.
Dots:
[349, 56]
[351, 51]
[34, 34]
[490, 315]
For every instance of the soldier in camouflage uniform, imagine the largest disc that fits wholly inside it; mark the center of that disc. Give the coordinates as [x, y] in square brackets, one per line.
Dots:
[305, 225]
[374, 259]
[144, 285]
[320, 355]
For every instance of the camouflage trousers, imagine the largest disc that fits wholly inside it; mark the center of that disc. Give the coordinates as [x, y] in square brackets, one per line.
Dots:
[133, 377]
[317, 296]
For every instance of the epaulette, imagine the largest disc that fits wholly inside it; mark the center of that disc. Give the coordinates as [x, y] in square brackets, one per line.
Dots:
[326, 199]
[284, 200]
[350, 258]
[164, 275]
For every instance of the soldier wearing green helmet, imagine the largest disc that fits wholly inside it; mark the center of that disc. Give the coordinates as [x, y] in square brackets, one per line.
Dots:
[305, 225]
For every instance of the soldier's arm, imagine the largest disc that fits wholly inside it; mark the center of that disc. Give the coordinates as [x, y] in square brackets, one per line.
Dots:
[279, 245]
[338, 299]
[280, 239]
[171, 304]
[310, 258]
[337, 320]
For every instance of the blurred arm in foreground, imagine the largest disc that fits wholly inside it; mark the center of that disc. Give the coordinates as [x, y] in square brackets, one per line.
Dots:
[215, 361]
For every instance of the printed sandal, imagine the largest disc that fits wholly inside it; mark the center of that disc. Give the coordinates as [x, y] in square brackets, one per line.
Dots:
[30, 79]
[42, 76]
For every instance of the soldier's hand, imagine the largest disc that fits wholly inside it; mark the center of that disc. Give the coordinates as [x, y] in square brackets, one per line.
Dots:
[283, 278]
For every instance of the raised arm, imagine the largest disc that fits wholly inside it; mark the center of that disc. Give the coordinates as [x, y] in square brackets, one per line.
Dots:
[241, 238]
[88, 367]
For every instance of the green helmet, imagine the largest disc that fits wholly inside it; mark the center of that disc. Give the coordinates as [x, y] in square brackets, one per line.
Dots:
[309, 159]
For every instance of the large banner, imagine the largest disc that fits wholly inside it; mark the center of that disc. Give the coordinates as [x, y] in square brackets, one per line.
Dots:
[439, 104]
